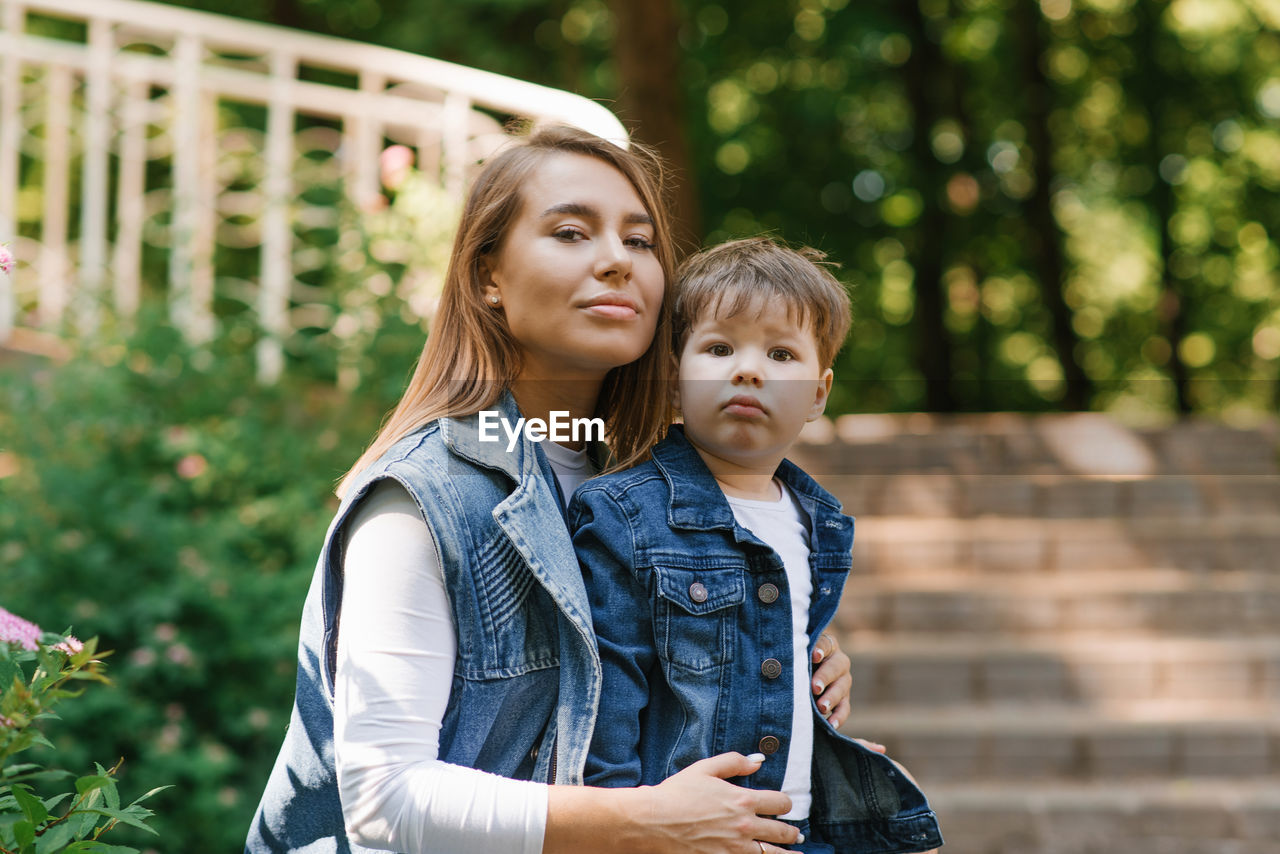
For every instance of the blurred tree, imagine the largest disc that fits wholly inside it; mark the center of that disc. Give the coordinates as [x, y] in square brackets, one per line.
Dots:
[929, 81]
[1046, 236]
[1059, 203]
[651, 102]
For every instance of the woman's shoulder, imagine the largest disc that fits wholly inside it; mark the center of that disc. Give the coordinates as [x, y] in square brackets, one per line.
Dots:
[420, 461]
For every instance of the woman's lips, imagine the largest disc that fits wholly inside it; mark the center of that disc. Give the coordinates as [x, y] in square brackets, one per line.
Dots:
[613, 307]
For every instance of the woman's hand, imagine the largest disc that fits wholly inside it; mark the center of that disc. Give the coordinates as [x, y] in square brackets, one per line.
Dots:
[694, 812]
[832, 681]
[702, 812]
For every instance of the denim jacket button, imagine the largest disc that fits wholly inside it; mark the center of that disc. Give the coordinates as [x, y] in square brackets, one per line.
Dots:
[771, 668]
[768, 593]
[769, 745]
[698, 592]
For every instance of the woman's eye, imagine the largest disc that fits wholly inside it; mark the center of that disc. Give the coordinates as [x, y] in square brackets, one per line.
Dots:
[778, 354]
[569, 235]
[641, 242]
[719, 350]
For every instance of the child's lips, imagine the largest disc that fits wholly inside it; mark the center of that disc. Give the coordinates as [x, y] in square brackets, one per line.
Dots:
[745, 406]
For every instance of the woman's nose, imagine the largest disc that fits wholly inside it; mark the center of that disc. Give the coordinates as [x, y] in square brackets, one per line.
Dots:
[612, 258]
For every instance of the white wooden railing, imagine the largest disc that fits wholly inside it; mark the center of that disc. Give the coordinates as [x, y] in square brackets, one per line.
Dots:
[111, 131]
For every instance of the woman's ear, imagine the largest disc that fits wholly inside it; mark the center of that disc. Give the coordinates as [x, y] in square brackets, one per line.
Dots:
[489, 291]
[820, 397]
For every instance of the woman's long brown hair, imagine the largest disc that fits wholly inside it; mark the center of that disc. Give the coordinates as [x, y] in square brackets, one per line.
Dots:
[470, 356]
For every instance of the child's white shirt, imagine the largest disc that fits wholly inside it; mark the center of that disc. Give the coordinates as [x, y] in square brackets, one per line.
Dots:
[783, 526]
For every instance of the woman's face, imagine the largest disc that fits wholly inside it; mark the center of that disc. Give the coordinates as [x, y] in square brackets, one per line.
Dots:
[577, 273]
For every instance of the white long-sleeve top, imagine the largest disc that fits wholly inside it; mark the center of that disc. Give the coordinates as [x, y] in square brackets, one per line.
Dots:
[397, 646]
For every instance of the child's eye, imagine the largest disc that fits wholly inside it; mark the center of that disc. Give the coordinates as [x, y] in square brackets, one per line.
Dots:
[720, 350]
[781, 354]
[641, 242]
[568, 234]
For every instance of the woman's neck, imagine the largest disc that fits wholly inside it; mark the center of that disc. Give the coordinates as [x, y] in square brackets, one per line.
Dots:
[538, 398]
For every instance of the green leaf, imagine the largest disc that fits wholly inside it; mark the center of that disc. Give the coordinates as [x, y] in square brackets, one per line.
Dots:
[156, 790]
[31, 806]
[92, 781]
[25, 834]
[90, 846]
[132, 816]
[56, 838]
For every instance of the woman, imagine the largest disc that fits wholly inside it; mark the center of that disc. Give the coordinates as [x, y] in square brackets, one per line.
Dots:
[466, 644]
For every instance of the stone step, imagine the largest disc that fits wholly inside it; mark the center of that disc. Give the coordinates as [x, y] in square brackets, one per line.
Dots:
[907, 544]
[1228, 602]
[1064, 668]
[1047, 742]
[1203, 816]
[1003, 443]
[1049, 496]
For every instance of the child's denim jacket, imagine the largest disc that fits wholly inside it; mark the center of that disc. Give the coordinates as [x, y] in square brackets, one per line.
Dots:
[527, 678]
[693, 621]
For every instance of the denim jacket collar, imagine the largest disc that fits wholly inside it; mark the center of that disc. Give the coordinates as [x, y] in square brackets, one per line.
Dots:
[462, 436]
[697, 502]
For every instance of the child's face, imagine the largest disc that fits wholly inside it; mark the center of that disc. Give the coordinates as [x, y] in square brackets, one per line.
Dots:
[748, 383]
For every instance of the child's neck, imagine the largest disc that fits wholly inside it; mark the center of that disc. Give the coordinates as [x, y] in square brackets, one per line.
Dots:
[738, 478]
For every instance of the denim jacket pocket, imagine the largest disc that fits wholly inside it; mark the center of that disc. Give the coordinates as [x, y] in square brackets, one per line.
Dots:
[695, 612]
[510, 619]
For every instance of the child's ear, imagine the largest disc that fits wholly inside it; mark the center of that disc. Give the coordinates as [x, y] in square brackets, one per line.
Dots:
[820, 398]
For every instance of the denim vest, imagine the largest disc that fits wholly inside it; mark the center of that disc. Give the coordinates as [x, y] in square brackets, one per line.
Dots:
[527, 678]
[694, 621]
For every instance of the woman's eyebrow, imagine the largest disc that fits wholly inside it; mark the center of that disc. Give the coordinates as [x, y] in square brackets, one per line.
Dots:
[589, 212]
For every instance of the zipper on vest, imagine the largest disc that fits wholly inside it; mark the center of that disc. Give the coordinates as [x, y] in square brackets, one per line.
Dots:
[554, 744]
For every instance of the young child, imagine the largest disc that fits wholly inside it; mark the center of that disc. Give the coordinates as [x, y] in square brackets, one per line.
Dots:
[714, 566]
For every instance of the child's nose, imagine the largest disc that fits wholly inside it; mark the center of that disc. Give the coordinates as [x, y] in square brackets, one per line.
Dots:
[747, 372]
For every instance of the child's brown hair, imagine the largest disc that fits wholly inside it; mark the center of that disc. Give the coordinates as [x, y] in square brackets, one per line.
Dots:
[729, 278]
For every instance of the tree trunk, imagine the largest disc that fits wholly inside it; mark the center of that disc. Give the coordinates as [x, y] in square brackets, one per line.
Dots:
[650, 104]
[1153, 87]
[1046, 237]
[925, 73]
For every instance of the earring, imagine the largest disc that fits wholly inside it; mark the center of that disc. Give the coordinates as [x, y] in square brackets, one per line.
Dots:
[495, 299]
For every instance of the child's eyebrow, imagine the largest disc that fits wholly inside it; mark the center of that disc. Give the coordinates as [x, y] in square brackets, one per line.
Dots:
[589, 212]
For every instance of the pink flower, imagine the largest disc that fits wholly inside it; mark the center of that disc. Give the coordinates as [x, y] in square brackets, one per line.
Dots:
[14, 629]
[71, 645]
[6, 259]
[394, 164]
[192, 466]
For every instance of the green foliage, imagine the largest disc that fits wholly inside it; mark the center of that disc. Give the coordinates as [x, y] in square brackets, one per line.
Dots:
[174, 507]
[35, 676]
[1098, 176]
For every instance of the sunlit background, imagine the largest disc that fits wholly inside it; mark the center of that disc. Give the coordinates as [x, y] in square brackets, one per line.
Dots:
[1065, 212]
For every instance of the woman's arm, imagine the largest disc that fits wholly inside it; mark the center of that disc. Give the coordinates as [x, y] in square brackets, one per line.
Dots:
[396, 649]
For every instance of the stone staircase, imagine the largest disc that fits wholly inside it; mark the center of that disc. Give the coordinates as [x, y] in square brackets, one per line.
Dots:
[1068, 629]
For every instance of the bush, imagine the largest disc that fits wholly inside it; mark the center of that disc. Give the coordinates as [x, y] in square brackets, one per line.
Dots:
[160, 499]
[38, 670]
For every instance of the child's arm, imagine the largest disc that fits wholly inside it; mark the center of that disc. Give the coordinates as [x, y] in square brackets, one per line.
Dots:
[622, 614]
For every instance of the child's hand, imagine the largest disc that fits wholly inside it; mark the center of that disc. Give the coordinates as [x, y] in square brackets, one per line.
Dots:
[831, 681]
